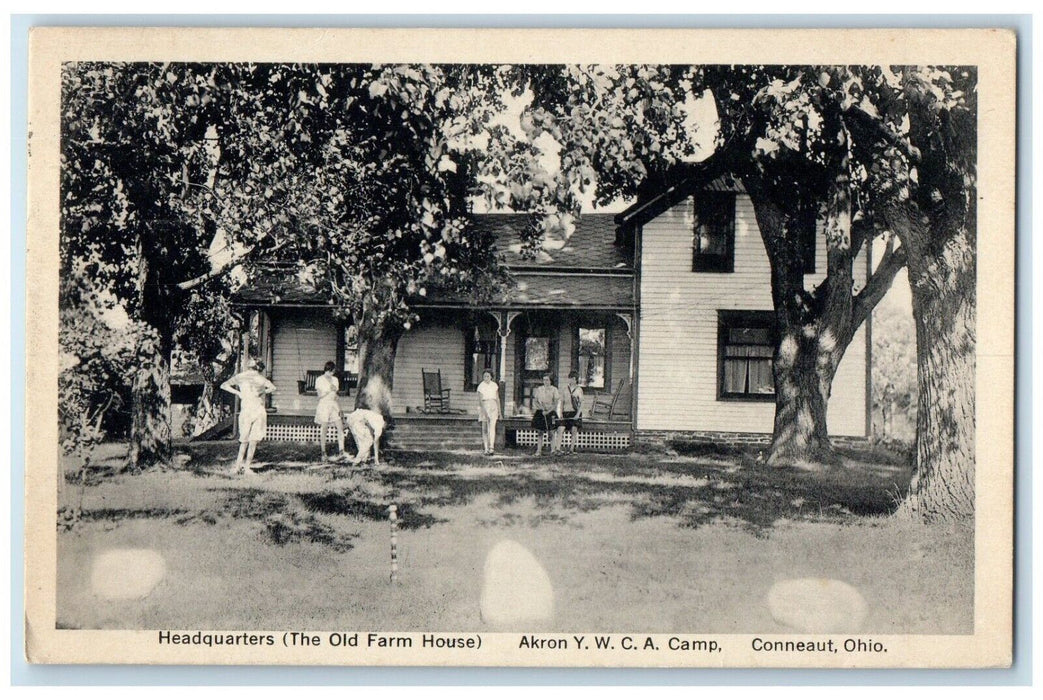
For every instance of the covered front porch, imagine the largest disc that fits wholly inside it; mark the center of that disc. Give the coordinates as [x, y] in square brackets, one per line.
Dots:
[451, 348]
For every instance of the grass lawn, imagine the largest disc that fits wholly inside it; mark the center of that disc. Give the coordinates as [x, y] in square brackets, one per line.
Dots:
[657, 542]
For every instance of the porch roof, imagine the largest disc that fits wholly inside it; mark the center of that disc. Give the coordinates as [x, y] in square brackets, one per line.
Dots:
[533, 289]
[557, 290]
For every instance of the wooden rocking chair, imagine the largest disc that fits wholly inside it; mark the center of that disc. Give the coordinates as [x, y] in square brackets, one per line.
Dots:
[436, 399]
[613, 406]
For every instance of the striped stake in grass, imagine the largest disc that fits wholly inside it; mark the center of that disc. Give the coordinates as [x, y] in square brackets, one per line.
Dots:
[393, 517]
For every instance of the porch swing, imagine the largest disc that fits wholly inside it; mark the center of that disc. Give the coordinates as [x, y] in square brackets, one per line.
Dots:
[306, 382]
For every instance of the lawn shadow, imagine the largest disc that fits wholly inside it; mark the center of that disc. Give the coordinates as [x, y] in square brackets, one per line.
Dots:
[731, 485]
[697, 491]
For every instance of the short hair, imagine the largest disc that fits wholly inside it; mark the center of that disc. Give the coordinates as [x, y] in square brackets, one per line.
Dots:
[547, 375]
[258, 365]
[573, 374]
[330, 366]
[489, 372]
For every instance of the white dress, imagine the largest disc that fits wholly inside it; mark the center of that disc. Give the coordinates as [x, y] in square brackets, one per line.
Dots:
[253, 416]
[488, 401]
[328, 409]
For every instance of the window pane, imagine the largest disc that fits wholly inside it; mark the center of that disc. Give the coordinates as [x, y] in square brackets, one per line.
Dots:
[537, 354]
[760, 351]
[735, 376]
[592, 341]
[714, 215]
[591, 357]
[749, 336]
[351, 350]
[761, 381]
[592, 371]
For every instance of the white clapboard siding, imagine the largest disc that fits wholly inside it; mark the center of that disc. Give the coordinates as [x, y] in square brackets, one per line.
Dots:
[677, 371]
[433, 344]
[301, 341]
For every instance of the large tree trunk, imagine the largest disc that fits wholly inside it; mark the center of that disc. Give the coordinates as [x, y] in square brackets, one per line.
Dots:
[944, 306]
[812, 337]
[377, 371]
[805, 364]
[150, 433]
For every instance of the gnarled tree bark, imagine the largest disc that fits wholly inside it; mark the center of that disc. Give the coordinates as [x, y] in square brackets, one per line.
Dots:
[377, 369]
[944, 306]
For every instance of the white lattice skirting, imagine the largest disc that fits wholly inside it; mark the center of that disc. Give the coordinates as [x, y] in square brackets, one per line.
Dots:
[297, 433]
[597, 441]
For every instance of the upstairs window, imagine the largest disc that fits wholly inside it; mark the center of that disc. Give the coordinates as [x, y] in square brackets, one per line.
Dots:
[713, 240]
[746, 346]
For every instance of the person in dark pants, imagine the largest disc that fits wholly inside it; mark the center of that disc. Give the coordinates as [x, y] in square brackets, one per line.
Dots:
[546, 400]
[571, 412]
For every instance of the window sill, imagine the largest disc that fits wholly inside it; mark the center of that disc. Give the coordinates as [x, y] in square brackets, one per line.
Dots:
[747, 398]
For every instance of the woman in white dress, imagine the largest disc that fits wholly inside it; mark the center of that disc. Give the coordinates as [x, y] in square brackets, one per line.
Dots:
[488, 410]
[327, 412]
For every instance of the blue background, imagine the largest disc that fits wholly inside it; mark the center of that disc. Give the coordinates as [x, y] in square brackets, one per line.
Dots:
[1020, 674]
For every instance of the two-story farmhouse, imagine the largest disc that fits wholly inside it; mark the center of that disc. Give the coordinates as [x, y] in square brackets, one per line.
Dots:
[664, 310]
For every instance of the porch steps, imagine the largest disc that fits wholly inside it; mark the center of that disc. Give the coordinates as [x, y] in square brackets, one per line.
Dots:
[434, 434]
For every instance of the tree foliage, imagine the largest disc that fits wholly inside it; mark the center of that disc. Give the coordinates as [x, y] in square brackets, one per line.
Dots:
[894, 371]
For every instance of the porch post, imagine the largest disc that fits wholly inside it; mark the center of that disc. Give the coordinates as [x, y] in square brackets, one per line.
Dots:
[628, 319]
[503, 331]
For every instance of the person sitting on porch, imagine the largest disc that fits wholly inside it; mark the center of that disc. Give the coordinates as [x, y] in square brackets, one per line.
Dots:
[250, 386]
[327, 412]
[488, 410]
[571, 412]
[546, 400]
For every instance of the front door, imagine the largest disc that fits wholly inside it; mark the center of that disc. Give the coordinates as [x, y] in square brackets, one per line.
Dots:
[536, 353]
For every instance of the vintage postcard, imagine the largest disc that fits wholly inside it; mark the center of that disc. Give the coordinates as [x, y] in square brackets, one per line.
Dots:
[635, 348]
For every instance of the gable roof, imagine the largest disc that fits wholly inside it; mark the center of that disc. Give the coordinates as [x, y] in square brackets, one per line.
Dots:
[645, 210]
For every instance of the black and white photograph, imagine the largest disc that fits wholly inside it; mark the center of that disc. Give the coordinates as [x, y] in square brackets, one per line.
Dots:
[522, 360]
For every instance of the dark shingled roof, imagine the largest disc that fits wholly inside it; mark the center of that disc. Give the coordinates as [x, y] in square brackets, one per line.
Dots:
[591, 245]
[562, 290]
[569, 281]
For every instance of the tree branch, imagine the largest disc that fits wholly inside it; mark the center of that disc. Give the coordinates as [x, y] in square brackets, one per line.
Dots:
[218, 271]
[877, 128]
[878, 284]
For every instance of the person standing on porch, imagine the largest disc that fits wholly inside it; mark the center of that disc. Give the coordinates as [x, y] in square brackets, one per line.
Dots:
[546, 400]
[250, 386]
[327, 412]
[571, 412]
[488, 410]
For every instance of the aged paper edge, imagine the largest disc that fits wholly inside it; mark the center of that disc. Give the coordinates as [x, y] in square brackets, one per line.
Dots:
[993, 51]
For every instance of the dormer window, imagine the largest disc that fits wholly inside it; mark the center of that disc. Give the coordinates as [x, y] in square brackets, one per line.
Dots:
[713, 236]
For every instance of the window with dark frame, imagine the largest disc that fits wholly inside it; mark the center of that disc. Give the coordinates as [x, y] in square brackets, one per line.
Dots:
[479, 356]
[592, 357]
[713, 236]
[745, 348]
